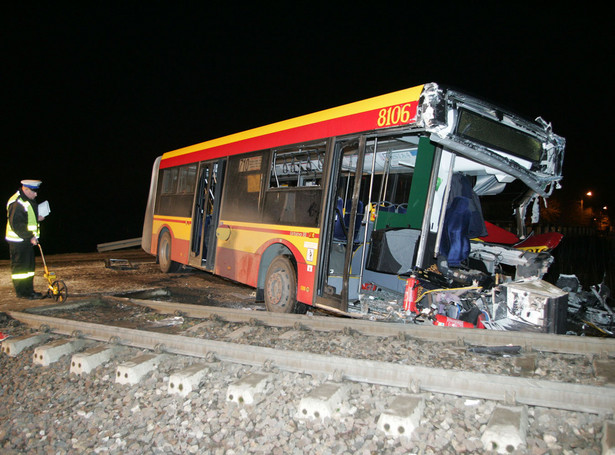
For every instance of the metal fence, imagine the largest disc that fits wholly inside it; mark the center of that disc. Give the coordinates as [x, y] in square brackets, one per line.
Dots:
[585, 252]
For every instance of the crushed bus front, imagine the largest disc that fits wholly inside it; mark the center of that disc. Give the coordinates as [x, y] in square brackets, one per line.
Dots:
[428, 254]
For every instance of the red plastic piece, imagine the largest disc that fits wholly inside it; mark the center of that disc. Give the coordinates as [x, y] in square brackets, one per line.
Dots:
[541, 242]
[496, 234]
[445, 321]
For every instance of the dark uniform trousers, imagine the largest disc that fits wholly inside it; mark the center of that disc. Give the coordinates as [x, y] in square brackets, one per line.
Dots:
[22, 266]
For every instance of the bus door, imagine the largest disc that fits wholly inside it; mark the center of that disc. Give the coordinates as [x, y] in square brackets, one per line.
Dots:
[205, 214]
[374, 216]
[342, 218]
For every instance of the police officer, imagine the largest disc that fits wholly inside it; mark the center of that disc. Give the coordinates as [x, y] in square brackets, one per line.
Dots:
[22, 232]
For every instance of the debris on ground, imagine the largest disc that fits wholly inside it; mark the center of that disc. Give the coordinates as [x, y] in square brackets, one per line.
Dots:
[588, 311]
[529, 304]
[119, 264]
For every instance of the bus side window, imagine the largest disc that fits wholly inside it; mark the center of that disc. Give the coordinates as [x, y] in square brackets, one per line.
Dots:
[241, 197]
[187, 179]
[169, 180]
[298, 167]
[176, 191]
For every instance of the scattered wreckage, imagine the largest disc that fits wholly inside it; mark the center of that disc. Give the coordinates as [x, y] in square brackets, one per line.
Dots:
[588, 311]
[489, 299]
[467, 298]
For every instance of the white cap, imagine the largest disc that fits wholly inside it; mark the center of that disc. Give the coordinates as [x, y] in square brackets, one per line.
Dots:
[32, 184]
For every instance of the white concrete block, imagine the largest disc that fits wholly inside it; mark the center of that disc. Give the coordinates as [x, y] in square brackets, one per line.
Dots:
[185, 381]
[13, 346]
[52, 352]
[131, 371]
[248, 390]
[86, 361]
[323, 401]
[403, 416]
[506, 430]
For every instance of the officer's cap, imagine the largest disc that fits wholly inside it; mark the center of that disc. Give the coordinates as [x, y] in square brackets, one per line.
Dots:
[32, 184]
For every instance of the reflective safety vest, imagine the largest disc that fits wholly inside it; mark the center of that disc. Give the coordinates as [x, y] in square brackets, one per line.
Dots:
[22, 276]
[33, 226]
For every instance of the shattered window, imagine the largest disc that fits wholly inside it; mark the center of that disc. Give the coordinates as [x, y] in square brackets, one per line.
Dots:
[298, 167]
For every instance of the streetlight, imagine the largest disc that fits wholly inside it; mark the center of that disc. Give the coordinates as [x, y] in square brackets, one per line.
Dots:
[588, 194]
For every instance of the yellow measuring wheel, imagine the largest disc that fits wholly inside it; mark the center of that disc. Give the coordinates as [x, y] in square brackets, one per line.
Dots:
[56, 289]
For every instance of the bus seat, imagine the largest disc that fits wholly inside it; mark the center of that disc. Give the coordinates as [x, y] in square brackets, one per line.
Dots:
[463, 220]
[339, 229]
[342, 219]
[393, 250]
[358, 219]
[455, 245]
[461, 186]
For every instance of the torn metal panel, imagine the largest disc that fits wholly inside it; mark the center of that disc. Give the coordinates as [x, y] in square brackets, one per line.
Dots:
[527, 264]
[475, 129]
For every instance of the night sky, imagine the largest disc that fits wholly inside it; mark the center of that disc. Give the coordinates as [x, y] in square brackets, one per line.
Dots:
[92, 95]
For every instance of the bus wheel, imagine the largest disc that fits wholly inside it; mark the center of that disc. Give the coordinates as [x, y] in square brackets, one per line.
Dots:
[164, 254]
[281, 286]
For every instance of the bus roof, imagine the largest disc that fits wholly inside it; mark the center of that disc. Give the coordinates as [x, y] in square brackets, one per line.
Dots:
[393, 109]
[477, 130]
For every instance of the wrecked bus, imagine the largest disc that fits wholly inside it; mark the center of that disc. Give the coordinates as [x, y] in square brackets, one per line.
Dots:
[371, 209]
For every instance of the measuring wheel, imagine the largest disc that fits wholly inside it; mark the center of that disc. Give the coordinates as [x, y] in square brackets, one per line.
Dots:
[58, 291]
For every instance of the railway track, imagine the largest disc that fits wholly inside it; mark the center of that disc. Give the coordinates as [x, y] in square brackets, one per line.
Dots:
[530, 391]
[244, 334]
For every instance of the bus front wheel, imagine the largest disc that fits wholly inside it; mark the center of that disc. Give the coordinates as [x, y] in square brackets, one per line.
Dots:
[164, 254]
[281, 286]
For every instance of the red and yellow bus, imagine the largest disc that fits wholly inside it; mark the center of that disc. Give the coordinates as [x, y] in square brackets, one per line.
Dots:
[309, 210]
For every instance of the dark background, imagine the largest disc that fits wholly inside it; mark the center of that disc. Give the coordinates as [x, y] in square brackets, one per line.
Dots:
[92, 95]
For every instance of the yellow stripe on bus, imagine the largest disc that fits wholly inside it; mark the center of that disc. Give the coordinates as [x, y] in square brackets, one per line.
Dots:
[399, 97]
[181, 227]
[250, 237]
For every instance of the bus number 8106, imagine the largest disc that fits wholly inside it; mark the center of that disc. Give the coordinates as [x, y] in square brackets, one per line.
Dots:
[395, 115]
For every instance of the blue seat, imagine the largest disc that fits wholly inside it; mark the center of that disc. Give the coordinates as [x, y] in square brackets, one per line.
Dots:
[455, 243]
[342, 219]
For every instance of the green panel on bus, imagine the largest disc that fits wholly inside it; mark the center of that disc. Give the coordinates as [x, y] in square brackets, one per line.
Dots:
[413, 218]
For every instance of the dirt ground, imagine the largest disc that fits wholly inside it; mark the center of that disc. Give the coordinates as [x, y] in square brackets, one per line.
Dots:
[119, 272]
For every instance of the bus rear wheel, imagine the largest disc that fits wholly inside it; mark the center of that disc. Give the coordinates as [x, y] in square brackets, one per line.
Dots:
[281, 286]
[164, 254]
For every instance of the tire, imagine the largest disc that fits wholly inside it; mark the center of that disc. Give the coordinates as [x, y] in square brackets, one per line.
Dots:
[164, 254]
[281, 286]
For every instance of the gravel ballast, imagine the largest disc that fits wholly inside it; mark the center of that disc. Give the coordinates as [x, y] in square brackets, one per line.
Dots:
[46, 410]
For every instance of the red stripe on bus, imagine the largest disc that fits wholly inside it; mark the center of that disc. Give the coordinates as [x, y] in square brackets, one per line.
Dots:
[297, 233]
[363, 121]
[170, 220]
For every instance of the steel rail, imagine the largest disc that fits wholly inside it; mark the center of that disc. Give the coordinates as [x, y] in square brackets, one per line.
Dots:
[565, 344]
[573, 397]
